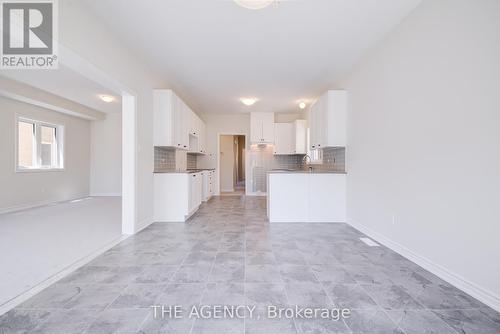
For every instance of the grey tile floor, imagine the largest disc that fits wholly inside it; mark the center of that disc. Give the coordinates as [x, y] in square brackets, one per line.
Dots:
[228, 254]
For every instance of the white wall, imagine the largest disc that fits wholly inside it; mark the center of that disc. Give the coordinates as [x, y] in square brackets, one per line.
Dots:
[424, 140]
[227, 163]
[223, 124]
[88, 36]
[20, 190]
[106, 156]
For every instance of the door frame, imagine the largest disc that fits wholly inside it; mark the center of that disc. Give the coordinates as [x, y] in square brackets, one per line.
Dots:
[218, 158]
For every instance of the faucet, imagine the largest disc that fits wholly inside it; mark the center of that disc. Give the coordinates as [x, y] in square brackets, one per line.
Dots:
[304, 162]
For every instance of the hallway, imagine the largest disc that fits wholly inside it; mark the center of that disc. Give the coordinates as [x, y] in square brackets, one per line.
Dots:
[228, 254]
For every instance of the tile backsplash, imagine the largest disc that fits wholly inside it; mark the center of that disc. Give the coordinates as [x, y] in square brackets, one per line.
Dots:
[333, 159]
[164, 158]
[192, 161]
[263, 160]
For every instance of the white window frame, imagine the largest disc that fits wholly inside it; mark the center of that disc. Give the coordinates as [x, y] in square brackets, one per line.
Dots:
[37, 145]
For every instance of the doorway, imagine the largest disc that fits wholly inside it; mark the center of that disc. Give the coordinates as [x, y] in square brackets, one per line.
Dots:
[232, 173]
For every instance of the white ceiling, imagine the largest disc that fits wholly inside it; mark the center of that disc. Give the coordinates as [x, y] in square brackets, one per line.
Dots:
[70, 85]
[213, 52]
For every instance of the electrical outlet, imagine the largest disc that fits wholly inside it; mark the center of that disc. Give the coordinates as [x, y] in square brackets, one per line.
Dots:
[393, 219]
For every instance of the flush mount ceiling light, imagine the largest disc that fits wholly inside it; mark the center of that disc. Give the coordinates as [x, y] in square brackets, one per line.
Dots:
[107, 98]
[248, 101]
[302, 105]
[254, 4]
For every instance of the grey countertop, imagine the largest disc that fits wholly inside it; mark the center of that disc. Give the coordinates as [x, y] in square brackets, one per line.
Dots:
[189, 171]
[303, 171]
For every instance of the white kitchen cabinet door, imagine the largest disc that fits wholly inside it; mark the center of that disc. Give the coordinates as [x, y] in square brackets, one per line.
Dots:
[289, 196]
[336, 109]
[299, 137]
[328, 120]
[284, 138]
[203, 137]
[171, 197]
[262, 128]
[195, 191]
[268, 128]
[327, 201]
[164, 106]
[313, 126]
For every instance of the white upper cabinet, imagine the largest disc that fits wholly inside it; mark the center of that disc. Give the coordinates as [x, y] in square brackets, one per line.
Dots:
[300, 136]
[174, 122]
[284, 138]
[262, 127]
[290, 138]
[203, 137]
[328, 120]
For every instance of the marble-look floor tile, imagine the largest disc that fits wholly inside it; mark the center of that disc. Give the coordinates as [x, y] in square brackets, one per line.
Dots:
[297, 273]
[257, 258]
[126, 321]
[138, 296]
[320, 326]
[190, 273]
[265, 294]
[218, 326]
[468, 321]
[181, 294]
[228, 254]
[332, 273]
[391, 297]
[308, 294]
[166, 325]
[265, 325]
[103, 275]
[351, 296]
[66, 321]
[156, 274]
[371, 322]
[262, 273]
[22, 321]
[227, 272]
[420, 321]
[224, 294]
[55, 296]
[95, 296]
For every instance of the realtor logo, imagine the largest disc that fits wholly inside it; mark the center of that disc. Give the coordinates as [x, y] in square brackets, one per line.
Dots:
[29, 34]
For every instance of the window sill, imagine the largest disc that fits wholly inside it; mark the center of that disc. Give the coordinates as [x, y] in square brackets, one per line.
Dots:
[39, 170]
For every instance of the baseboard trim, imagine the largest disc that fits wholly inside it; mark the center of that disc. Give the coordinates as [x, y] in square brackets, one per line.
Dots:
[106, 194]
[143, 224]
[485, 296]
[10, 304]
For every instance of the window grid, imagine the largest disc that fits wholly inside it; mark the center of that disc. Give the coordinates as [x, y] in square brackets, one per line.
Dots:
[46, 146]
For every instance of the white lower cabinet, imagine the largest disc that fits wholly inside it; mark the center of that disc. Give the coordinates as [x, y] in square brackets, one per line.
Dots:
[207, 185]
[306, 197]
[195, 192]
[176, 196]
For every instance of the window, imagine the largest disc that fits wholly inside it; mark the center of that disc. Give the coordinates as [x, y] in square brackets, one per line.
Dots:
[39, 145]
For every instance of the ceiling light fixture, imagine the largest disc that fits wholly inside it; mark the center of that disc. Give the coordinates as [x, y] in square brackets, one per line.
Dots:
[254, 4]
[302, 105]
[248, 101]
[107, 98]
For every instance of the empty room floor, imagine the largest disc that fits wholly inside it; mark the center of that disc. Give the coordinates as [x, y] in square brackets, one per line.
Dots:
[228, 254]
[38, 243]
